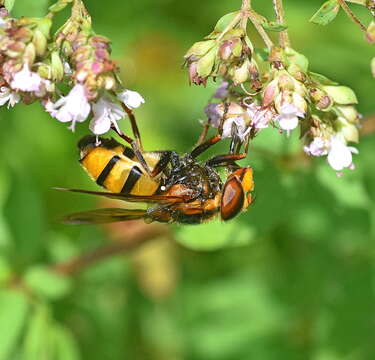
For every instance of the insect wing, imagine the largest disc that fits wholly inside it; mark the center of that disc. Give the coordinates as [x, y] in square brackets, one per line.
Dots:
[131, 198]
[103, 216]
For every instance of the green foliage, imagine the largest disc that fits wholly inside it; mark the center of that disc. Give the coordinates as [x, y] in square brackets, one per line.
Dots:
[326, 13]
[44, 282]
[292, 278]
[14, 309]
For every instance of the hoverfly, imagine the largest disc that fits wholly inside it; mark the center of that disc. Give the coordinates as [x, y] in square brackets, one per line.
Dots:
[179, 188]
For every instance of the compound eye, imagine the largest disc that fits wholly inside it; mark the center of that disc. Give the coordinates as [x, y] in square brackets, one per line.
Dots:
[233, 198]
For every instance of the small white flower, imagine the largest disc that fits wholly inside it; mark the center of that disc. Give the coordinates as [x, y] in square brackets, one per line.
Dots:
[7, 95]
[71, 108]
[26, 80]
[318, 147]
[260, 116]
[106, 113]
[340, 155]
[236, 124]
[288, 116]
[131, 99]
[3, 24]
[213, 115]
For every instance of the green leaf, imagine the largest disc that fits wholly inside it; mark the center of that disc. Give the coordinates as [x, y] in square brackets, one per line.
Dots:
[326, 13]
[65, 346]
[37, 345]
[321, 79]
[5, 270]
[13, 314]
[37, 8]
[224, 21]
[215, 235]
[46, 283]
[9, 4]
[273, 26]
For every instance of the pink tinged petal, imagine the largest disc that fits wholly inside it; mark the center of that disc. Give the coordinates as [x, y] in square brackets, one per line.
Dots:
[270, 93]
[317, 147]
[26, 80]
[74, 107]
[106, 113]
[131, 99]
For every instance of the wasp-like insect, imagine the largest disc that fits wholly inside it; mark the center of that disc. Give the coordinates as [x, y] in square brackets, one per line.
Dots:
[177, 188]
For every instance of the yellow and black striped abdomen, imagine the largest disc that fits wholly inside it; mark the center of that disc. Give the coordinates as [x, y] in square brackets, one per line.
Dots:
[116, 170]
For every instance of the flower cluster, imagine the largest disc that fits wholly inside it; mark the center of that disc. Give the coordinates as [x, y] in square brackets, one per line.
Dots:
[274, 89]
[34, 65]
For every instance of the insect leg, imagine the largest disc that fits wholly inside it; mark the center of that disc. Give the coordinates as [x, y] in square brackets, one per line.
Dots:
[135, 147]
[203, 134]
[225, 160]
[204, 146]
[134, 126]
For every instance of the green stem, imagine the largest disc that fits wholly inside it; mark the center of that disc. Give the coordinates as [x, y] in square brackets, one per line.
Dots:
[230, 26]
[57, 7]
[280, 16]
[246, 5]
[351, 15]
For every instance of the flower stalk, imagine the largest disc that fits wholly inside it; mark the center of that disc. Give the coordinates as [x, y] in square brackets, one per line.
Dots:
[351, 15]
[280, 17]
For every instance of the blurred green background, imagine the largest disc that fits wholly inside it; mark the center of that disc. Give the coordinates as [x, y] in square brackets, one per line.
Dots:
[292, 278]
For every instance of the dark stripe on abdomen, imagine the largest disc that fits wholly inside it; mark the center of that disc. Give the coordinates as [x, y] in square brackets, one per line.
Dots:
[105, 172]
[129, 153]
[134, 174]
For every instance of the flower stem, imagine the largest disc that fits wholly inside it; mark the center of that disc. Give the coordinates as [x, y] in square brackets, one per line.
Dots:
[254, 19]
[351, 15]
[230, 26]
[246, 5]
[280, 16]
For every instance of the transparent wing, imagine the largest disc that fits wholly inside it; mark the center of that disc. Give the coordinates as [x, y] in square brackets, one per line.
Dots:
[102, 216]
[131, 198]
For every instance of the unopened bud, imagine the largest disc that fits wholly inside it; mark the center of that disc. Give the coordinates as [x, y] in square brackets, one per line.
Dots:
[45, 71]
[206, 63]
[40, 42]
[321, 100]
[349, 131]
[241, 74]
[270, 93]
[350, 113]
[57, 66]
[29, 54]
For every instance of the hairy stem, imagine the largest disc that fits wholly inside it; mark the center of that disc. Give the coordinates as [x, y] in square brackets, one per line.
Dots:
[246, 5]
[351, 15]
[280, 17]
[254, 19]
